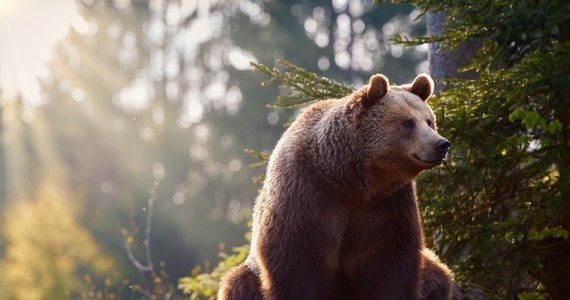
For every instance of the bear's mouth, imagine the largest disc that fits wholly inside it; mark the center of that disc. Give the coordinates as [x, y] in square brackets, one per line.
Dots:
[434, 162]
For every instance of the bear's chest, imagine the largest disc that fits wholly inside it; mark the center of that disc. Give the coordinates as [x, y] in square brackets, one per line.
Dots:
[388, 232]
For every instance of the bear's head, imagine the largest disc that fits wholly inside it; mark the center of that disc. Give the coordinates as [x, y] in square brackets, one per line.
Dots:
[399, 127]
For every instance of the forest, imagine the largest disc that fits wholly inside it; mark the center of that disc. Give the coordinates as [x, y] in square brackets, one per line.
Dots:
[131, 155]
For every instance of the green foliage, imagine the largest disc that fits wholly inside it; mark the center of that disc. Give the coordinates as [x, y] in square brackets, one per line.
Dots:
[305, 87]
[499, 210]
[261, 159]
[205, 284]
[530, 119]
[533, 295]
[47, 251]
[538, 235]
[527, 24]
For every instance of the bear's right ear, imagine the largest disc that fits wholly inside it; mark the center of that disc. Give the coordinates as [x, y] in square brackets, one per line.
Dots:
[378, 86]
[422, 86]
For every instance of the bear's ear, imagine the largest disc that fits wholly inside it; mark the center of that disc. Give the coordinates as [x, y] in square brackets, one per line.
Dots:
[422, 86]
[378, 86]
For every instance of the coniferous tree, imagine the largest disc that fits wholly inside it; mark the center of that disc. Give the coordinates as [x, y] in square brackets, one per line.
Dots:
[499, 209]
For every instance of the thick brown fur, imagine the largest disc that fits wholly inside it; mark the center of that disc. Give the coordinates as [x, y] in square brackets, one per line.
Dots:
[241, 283]
[435, 277]
[337, 217]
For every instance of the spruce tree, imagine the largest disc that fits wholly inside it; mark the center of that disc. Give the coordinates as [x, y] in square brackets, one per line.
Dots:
[499, 211]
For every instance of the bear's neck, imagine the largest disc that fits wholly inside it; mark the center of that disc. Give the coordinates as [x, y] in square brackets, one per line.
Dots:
[385, 188]
[385, 182]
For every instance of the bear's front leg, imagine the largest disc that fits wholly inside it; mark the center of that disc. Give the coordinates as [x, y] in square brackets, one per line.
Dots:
[240, 283]
[385, 276]
[381, 249]
[436, 278]
[297, 249]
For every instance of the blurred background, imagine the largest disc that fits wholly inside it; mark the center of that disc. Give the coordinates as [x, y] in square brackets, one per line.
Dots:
[107, 103]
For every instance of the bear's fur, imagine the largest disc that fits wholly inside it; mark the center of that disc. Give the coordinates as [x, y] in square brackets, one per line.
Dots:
[337, 217]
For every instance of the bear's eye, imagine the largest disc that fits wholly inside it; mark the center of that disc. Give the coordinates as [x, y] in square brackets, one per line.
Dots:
[409, 124]
[429, 123]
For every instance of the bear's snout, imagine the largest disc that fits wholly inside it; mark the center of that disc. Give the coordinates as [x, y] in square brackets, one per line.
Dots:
[431, 153]
[442, 145]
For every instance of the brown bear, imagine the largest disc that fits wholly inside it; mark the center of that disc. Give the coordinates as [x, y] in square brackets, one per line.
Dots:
[337, 217]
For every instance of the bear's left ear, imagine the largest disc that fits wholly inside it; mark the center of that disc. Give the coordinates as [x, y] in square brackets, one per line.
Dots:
[422, 86]
[378, 86]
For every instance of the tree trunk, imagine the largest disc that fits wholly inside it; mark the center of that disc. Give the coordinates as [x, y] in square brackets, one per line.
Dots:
[555, 253]
[442, 63]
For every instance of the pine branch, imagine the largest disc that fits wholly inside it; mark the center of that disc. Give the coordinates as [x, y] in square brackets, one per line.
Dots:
[305, 87]
[261, 157]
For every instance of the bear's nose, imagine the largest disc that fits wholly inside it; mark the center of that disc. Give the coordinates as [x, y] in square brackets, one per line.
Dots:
[443, 145]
